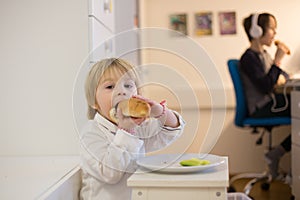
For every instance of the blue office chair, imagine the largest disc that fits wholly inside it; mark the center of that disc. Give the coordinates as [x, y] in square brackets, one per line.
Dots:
[243, 120]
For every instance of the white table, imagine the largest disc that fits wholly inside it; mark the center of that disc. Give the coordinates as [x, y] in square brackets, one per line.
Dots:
[35, 177]
[209, 184]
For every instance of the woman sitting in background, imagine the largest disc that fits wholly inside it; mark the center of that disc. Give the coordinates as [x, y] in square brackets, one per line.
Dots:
[260, 73]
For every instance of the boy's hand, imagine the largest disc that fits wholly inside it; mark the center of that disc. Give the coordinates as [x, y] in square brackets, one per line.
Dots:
[127, 123]
[157, 109]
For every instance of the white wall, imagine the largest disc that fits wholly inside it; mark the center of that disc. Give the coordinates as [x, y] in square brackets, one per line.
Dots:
[237, 143]
[43, 44]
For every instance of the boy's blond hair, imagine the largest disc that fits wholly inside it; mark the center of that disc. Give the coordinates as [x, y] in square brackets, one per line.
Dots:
[95, 74]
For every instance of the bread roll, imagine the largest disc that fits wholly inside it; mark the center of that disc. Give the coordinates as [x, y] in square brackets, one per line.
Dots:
[132, 107]
[283, 46]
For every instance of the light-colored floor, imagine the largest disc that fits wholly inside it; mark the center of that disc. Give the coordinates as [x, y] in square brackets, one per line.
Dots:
[277, 191]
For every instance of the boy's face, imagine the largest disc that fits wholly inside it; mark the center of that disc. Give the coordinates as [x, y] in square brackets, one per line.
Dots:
[113, 87]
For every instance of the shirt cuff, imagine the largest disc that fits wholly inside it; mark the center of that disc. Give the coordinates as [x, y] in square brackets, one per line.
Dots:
[181, 123]
[130, 142]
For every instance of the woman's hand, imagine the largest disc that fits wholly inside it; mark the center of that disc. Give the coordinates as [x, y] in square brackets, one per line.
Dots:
[281, 80]
[283, 46]
[281, 51]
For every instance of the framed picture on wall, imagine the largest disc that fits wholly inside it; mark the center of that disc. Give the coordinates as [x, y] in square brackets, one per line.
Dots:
[227, 23]
[178, 22]
[203, 23]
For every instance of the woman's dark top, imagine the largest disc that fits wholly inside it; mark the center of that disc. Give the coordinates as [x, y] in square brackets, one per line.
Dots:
[259, 76]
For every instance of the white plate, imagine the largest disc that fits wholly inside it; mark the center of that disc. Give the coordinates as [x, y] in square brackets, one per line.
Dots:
[170, 162]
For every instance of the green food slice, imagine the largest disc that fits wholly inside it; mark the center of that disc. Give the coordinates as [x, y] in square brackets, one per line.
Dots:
[194, 162]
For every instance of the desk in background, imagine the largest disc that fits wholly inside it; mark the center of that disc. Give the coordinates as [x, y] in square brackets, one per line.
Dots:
[295, 106]
[293, 87]
[209, 185]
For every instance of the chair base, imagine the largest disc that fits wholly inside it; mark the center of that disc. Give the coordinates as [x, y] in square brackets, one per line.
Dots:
[254, 178]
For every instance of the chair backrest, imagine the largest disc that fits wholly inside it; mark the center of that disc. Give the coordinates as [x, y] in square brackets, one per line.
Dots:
[241, 110]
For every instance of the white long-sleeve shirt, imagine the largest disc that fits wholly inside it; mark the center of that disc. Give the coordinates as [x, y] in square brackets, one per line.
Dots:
[109, 154]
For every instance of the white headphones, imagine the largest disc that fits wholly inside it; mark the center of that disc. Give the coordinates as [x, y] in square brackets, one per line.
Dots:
[255, 30]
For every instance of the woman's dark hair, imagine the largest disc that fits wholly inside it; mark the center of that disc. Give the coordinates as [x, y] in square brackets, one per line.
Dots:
[263, 22]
